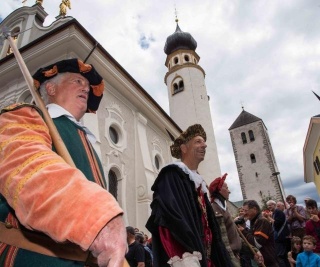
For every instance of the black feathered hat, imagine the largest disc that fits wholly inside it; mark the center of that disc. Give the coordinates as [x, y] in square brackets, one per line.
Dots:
[75, 66]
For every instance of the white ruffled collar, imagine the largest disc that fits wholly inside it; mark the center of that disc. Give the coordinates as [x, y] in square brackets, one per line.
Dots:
[193, 175]
[220, 204]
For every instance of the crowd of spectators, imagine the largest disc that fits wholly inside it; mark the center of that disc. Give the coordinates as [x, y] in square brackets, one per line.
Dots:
[139, 248]
[285, 234]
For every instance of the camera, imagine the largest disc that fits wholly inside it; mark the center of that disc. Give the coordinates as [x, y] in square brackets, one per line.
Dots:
[240, 221]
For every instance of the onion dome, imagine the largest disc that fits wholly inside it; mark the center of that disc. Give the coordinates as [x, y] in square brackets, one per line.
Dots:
[179, 40]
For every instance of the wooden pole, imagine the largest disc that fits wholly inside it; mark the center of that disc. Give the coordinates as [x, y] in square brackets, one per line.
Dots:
[56, 138]
[248, 244]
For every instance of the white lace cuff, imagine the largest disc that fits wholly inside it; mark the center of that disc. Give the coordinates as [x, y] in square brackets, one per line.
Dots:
[188, 260]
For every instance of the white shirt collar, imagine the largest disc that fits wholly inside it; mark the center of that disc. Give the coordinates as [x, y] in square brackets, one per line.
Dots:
[194, 176]
[56, 111]
[220, 204]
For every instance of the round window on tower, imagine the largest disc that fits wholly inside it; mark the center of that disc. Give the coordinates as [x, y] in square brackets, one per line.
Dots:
[176, 60]
[186, 58]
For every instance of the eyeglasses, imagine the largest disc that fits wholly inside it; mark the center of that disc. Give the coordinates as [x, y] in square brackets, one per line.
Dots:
[246, 210]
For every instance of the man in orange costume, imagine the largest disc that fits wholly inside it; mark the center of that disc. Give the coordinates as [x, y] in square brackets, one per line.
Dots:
[52, 214]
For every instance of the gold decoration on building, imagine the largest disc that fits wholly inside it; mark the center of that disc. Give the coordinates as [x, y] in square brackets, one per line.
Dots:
[63, 7]
[10, 51]
[39, 2]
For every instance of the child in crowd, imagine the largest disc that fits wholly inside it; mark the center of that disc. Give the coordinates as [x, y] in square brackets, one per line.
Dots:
[313, 224]
[296, 248]
[307, 258]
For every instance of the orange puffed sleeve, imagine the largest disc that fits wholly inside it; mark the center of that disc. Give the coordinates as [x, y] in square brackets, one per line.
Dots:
[46, 193]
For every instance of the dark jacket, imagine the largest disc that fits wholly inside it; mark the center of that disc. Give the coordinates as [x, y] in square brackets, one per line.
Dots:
[175, 206]
[261, 236]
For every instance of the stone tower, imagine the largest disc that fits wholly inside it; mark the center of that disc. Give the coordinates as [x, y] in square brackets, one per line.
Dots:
[257, 168]
[188, 99]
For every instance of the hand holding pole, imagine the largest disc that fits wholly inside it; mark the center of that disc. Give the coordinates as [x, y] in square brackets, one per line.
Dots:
[248, 244]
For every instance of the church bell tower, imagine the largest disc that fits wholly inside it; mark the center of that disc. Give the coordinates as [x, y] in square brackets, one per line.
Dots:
[188, 99]
[256, 164]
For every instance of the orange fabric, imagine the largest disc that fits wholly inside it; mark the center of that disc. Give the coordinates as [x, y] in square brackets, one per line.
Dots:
[84, 67]
[47, 194]
[262, 234]
[51, 72]
[98, 89]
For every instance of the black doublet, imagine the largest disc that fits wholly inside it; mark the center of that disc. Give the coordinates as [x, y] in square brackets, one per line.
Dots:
[175, 206]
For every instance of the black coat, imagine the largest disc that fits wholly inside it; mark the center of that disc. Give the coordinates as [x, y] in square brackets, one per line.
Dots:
[175, 206]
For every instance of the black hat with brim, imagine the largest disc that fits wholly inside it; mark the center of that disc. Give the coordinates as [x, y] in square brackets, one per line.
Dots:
[75, 66]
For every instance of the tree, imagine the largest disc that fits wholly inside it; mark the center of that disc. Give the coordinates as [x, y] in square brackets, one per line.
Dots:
[265, 199]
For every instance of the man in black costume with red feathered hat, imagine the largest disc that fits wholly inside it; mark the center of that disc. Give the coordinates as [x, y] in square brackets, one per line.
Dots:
[182, 222]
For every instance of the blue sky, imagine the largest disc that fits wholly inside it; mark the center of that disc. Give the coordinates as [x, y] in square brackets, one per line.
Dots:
[263, 55]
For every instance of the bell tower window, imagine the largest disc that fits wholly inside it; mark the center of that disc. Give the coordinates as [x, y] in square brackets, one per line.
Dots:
[177, 86]
[244, 138]
[253, 158]
[181, 85]
[251, 135]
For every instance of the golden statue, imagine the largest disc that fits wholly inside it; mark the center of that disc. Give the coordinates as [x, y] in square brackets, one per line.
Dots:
[39, 2]
[63, 7]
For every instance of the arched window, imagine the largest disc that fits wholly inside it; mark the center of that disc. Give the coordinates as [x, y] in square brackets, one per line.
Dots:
[244, 138]
[113, 183]
[176, 60]
[186, 58]
[251, 135]
[253, 158]
[177, 86]
[181, 85]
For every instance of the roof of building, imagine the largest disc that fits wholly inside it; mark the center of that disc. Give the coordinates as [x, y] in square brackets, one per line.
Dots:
[238, 204]
[243, 119]
[61, 25]
[179, 40]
